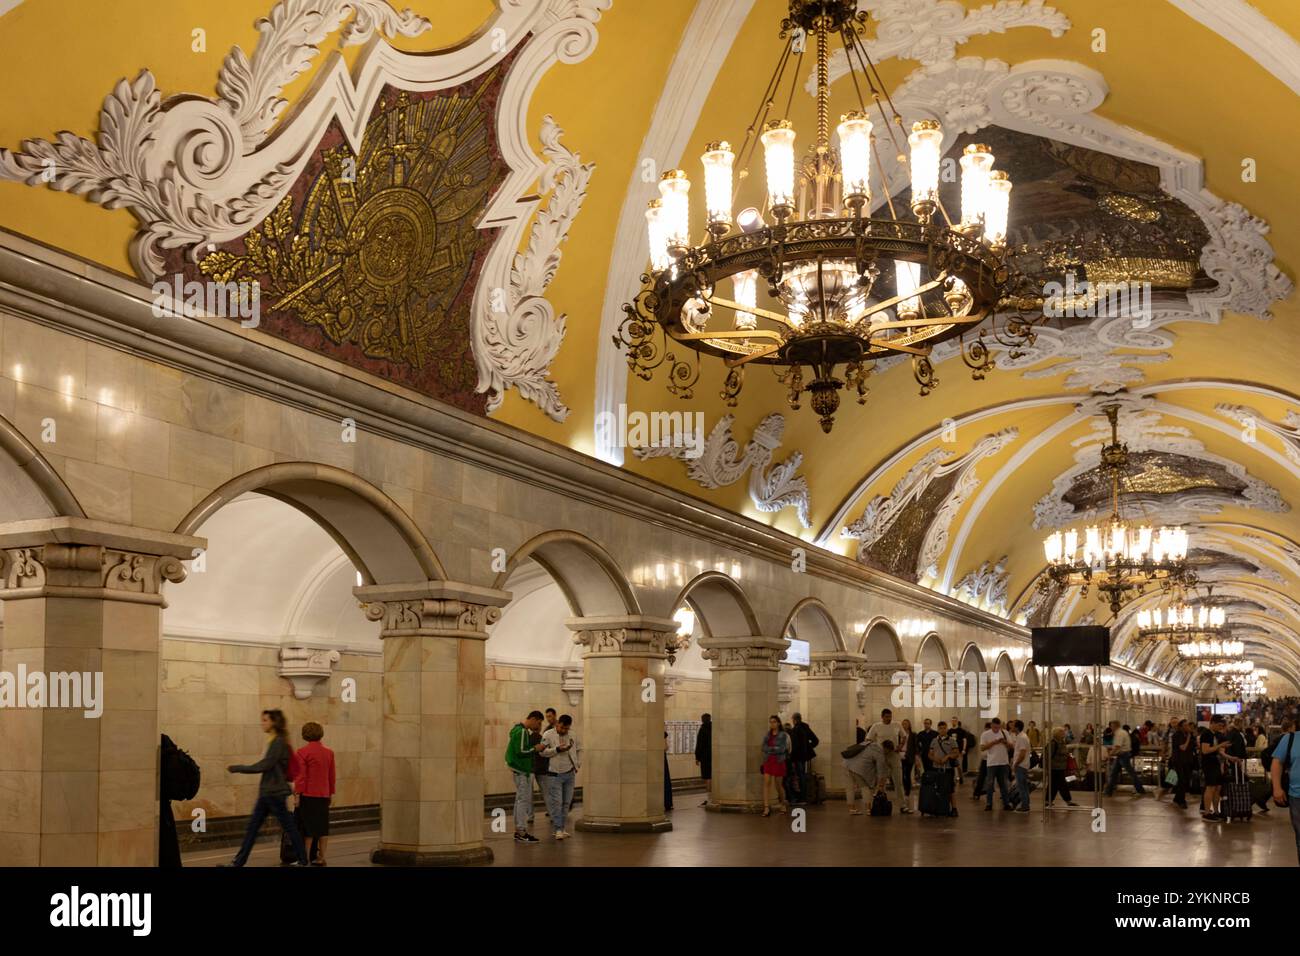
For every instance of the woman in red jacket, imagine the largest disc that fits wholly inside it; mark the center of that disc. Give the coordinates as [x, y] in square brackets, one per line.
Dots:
[315, 786]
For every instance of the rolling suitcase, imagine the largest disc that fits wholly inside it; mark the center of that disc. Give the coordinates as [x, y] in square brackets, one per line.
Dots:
[816, 789]
[933, 800]
[1237, 804]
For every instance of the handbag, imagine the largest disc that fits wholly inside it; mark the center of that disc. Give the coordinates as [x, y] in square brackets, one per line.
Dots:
[852, 751]
[1071, 765]
[1171, 777]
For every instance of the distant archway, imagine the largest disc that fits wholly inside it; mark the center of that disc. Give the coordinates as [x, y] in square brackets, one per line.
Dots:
[592, 582]
[721, 606]
[933, 656]
[812, 621]
[880, 641]
[32, 488]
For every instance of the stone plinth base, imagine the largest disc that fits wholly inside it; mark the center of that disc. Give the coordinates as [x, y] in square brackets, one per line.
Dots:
[394, 856]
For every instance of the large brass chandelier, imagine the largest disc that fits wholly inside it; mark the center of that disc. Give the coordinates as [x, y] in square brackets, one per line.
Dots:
[1240, 677]
[1120, 560]
[1211, 651]
[842, 289]
[1185, 624]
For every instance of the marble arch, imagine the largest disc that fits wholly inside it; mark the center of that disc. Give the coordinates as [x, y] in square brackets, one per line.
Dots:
[972, 656]
[1003, 667]
[373, 531]
[816, 625]
[592, 581]
[721, 607]
[880, 641]
[932, 654]
[33, 489]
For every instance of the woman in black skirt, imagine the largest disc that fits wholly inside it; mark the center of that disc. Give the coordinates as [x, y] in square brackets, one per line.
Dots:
[315, 787]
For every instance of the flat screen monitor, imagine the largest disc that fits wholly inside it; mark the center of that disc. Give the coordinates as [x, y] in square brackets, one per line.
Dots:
[798, 652]
[1071, 646]
[1228, 707]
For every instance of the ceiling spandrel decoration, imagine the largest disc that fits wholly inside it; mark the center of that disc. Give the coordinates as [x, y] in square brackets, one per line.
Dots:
[396, 219]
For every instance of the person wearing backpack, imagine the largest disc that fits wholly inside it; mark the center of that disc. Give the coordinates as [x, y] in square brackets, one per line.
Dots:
[178, 779]
[1285, 771]
[278, 766]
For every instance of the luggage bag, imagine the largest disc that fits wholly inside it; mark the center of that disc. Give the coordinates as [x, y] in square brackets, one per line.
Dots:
[1237, 803]
[936, 789]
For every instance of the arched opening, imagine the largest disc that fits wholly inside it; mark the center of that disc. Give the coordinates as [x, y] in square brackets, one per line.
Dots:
[32, 488]
[880, 642]
[1006, 670]
[932, 655]
[721, 607]
[810, 620]
[591, 580]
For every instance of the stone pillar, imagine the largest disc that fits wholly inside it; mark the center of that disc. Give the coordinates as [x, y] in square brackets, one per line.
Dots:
[878, 687]
[432, 778]
[744, 697]
[829, 705]
[623, 722]
[83, 610]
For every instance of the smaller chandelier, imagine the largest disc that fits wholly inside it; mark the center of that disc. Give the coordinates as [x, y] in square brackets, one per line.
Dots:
[1211, 651]
[1119, 559]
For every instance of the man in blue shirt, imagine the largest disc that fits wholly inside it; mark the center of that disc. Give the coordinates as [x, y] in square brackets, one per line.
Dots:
[1286, 753]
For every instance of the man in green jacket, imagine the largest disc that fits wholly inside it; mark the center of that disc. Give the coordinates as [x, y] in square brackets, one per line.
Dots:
[519, 758]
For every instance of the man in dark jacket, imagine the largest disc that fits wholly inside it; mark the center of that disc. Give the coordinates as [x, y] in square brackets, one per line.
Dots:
[704, 752]
[803, 747]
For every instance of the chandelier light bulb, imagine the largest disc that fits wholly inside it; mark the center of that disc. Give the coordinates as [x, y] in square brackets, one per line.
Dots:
[1143, 545]
[718, 160]
[778, 157]
[744, 289]
[976, 164]
[1052, 548]
[685, 618]
[749, 219]
[659, 257]
[926, 142]
[1144, 619]
[675, 215]
[998, 205]
[855, 158]
[907, 275]
[1092, 550]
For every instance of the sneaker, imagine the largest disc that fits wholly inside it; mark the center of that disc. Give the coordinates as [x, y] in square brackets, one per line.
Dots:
[526, 838]
[907, 809]
[1071, 803]
[1022, 810]
[562, 834]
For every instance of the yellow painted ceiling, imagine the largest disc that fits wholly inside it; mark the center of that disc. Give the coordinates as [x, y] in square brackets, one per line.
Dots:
[1169, 77]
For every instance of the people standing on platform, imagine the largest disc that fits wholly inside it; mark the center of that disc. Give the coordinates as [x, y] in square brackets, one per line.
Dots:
[924, 738]
[1211, 745]
[540, 771]
[1020, 766]
[944, 757]
[858, 770]
[565, 758]
[704, 753]
[1121, 754]
[1286, 763]
[1058, 767]
[315, 788]
[776, 751]
[1089, 735]
[889, 736]
[995, 744]
[803, 748]
[1069, 734]
[981, 775]
[963, 739]
[277, 767]
[520, 750]
[1182, 760]
[1034, 734]
[910, 758]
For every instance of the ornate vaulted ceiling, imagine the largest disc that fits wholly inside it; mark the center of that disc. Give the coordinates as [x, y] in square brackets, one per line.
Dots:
[1151, 132]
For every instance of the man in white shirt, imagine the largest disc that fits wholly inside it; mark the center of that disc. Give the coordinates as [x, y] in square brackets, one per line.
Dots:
[565, 755]
[995, 745]
[1020, 766]
[1121, 755]
[889, 736]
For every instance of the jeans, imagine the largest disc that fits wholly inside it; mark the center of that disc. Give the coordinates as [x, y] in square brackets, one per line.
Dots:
[267, 804]
[998, 775]
[1022, 785]
[559, 793]
[523, 799]
[1124, 761]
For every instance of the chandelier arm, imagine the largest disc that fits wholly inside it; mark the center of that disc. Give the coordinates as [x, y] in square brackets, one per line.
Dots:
[869, 71]
[746, 154]
[706, 336]
[853, 74]
[752, 310]
[746, 359]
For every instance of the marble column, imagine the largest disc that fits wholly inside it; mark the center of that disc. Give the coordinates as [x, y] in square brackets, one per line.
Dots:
[623, 722]
[83, 610]
[744, 697]
[432, 786]
[828, 693]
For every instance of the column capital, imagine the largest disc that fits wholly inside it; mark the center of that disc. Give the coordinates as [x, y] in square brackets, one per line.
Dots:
[751, 652]
[834, 665]
[83, 558]
[1011, 689]
[432, 608]
[628, 635]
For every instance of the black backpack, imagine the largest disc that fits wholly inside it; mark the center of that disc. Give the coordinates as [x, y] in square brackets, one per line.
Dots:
[180, 773]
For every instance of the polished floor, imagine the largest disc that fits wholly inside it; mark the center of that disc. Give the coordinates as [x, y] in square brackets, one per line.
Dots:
[1139, 832]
